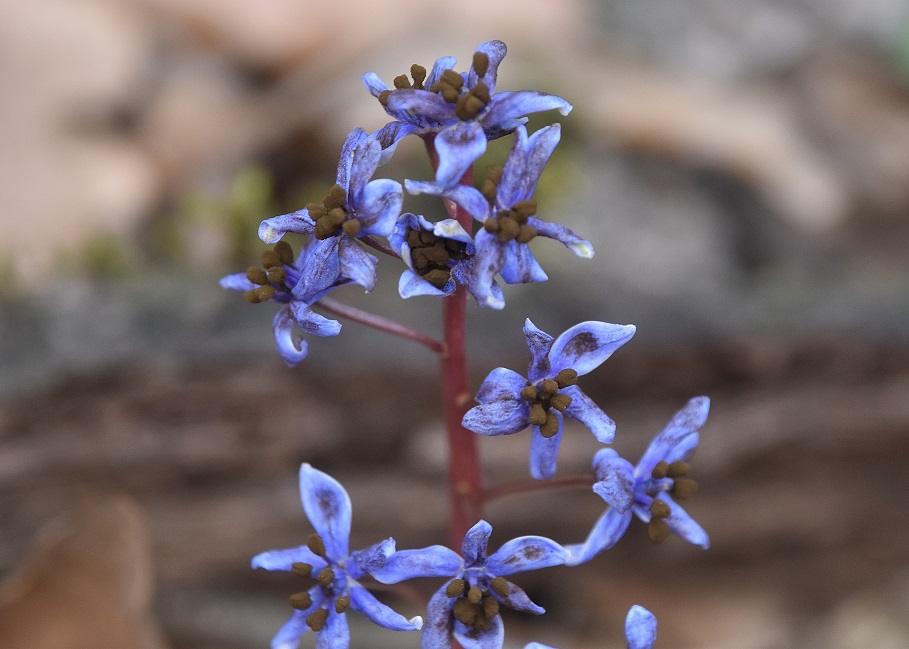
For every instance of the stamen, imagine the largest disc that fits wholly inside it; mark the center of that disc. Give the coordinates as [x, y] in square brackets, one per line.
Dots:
[301, 569]
[494, 173]
[474, 595]
[548, 388]
[449, 92]
[285, 252]
[560, 402]
[529, 393]
[464, 612]
[351, 227]
[316, 619]
[508, 229]
[455, 588]
[453, 79]
[538, 414]
[301, 601]
[316, 544]
[491, 225]
[551, 427]
[489, 190]
[678, 469]
[566, 378]
[276, 274]
[336, 197]
[401, 81]
[525, 208]
[264, 293]
[659, 509]
[481, 92]
[270, 258]
[342, 603]
[480, 63]
[660, 470]
[383, 97]
[490, 606]
[657, 530]
[684, 488]
[256, 275]
[326, 576]
[499, 585]
[526, 233]
[418, 72]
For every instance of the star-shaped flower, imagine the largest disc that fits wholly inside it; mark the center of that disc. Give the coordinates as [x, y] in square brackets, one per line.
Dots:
[509, 403]
[640, 630]
[444, 98]
[438, 256]
[650, 489]
[355, 207]
[467, 606]
[505, 206]
[295, 285]
[331, 571]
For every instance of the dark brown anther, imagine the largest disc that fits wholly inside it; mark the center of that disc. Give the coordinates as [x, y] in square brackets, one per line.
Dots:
[474, 595]
[383, 97]
[481, 92]
[336, 216]
[453, 79]
[537, 415]
[659, 509]
[548, 388]
[529, 393]
[284, 252]
[270, 259]
[678, 469]
[455, 588]
[256, 275]
[499, 585]
[316, 544]
[657, 530]
[551, 427]
[526, 233]
[437, 277]
[684, 488]
[342, 603]
[508, 229]
[324, 229]
[489, 190]
[276, 274]
[490, 606]
[265, 293]
[401, 82]
[472, 106]
[525, 208]
[251, 296]
[418, 73]
[660, 470]
[480, 63]
[413, 238]
[464, 612]
[301, 569]
[449, 92]
[491, 225]
[461, 108]
[316, 619]
[336, 197]
[560, 402]
[494, 173]
[326, 576]
[566, 377]
[351, 227]
[301, 601]
[315, 207]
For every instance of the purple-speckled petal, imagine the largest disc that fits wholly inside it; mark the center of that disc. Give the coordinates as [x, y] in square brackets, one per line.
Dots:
[518, 600]
[501, 384]
[284, 559]
[434, 561]
[490, 638]
[565, 235]
[468, 198]
[606, 532]
[237, 282]
[362, 601]
[321, 271]
[679, 522]
[498, 417]
[473, 548]
[271, 230]
[327, 507]
[678, 439]
[526, 553]
[458, 146]
[584, 410]
[543, 452]
[412, 285]
[508, 106]
[374, 84]
[640, 628]
[357, 264]
[520, 266]
[313, 323]
[291, 348]
[436, 632]
[364, 162]
[490, 256]
[496, 51]
[389, 136]
[363, 562]
[615, 479]
[382, 200]
[586, 345]
[539, 343]
[526, 163]
[346, 159]
[420, 103]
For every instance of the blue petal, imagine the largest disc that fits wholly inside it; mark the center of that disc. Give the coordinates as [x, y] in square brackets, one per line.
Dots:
[683, 525]
[381, 207]
[539, 342]
[320, 272]
[489, 258]
[496, 51]
[678, 439]
[537, 645]
[335, 634]
[284, 559]
[518, 600]
[420, 103]
[498, 417]
[584, 410]
[615, 479]
[271, 230]
[488, 295]
[526, 553]
[434, 561]
[372, 609]
[507, 106]
[313, 323]
[473, 548]
[364, 562]
[374, 84]
[501, 384]
[458, 146]
[581, 247]
[436, 632]
[640, 628]
[520, 266]
[606, 532]
[451, 229]
[237, 282]
[543, 452]
[389, 136]
[288, 637]
[525, 164]
[490, 638]
[586, 345]
[327, 507]
[346, 159]
[412, 285]
[468, 198]
[357, 264]
[364, 162]
[290, 347]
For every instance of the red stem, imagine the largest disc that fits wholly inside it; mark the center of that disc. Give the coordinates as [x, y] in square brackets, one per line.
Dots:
[530, 486]
[380, 323]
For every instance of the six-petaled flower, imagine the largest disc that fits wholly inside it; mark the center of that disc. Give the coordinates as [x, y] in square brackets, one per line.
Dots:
[467, 605]
[640, 630]
[330, 571]
[509, 402]
[650, 489]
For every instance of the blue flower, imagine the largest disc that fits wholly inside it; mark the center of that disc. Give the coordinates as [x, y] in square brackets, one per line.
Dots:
[505, 206]
[467, 605]
[295, 285]
[354, 208]
[445, 98]
[330, 570]
[640, 630]
[509, 403]
[650, 489]
[438, 256]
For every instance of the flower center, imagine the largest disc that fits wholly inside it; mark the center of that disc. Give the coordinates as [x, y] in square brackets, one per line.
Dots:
[475, 606]
[271, 275]
[324, 580]
[674, 479]
[331, 217]
[507, 224]
[544, 396]
[432, 257]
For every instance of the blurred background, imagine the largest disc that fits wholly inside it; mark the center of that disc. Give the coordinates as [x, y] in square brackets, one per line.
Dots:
[742, 169]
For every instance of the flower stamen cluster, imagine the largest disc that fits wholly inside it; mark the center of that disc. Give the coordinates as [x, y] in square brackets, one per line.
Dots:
[545, 395]
[330, 217]
[432, 256]
[674, 479]
[269, 277]
[476, 606]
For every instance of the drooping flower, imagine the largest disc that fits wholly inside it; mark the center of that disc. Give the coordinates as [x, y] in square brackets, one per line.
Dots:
[640, 630]
[438, 256]
[433, 102]
[650, 489]
[330, 571]
[509, 402]
[296, 285]
[505, 207]
[467, 605]
[354, 208]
